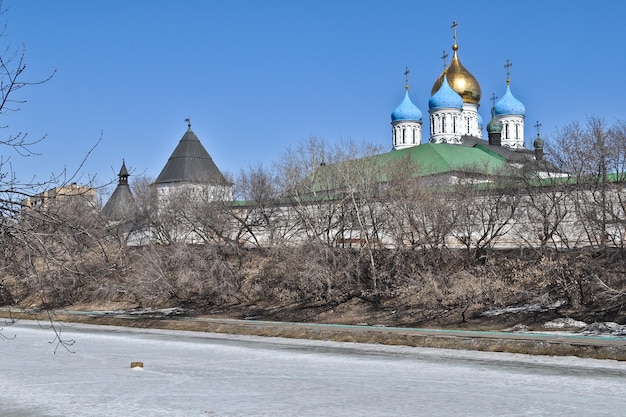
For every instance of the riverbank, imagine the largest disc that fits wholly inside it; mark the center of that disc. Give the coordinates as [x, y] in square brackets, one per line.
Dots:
[526, 342]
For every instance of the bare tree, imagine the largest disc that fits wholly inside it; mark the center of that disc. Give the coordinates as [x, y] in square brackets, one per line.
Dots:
[312, 189]
[56, 247]
[547, 212]
[594, 154]
[256, 208]
[422, 215]
[484, 213]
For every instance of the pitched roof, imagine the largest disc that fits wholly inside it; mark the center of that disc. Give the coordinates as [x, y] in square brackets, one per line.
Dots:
[437, 158]
[190, 162]
[120, 204]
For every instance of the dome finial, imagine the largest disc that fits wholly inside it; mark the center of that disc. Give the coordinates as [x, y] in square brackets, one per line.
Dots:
[406, 79]
[459, 78]
[188, 123]
[493, 99]
[454, 25]
[538, 143]
[508, 71]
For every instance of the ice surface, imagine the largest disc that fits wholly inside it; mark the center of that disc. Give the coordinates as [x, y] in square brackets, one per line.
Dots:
[200, 374]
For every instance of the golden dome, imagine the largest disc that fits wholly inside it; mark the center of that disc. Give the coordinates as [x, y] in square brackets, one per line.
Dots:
[460, 79]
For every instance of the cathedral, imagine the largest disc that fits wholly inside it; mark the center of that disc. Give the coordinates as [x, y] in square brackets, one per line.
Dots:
[454, 151]
[453, 111]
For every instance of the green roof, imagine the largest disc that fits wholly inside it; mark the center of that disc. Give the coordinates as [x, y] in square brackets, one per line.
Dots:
[438, 158]
[419, 161]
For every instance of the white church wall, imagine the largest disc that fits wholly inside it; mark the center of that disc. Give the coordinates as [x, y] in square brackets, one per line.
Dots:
[406, 134]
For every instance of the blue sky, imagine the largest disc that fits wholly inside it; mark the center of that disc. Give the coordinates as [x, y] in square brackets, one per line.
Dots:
[258, 76]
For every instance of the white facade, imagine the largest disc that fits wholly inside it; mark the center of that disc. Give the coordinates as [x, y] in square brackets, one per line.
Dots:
[470, 120]
[446, 126]
[406, 133]
[512, 131]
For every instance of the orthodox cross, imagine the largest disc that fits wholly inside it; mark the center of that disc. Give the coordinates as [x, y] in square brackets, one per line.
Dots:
[454, 25]
[508, 71]
[444, 56]
[493, 99]
[537, 125]
[406, 79]
[188, 122]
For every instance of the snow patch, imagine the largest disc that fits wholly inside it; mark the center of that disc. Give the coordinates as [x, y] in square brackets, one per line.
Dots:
[564, 323]
[518, 328]
[605, 328]
[526, 308]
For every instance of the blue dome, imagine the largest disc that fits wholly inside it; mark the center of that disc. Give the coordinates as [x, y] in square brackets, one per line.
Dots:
[480, 122]
[445, 97]
[509, 105]
[406, 110]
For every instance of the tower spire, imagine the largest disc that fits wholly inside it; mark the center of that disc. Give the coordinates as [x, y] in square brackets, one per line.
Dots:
[123, 174]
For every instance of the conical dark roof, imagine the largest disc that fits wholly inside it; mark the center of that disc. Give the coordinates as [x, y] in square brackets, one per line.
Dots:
[121, 203]
[123, 171]
[190, 162]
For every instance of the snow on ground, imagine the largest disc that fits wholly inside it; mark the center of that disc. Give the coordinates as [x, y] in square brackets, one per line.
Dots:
[565, 323]
[200, 374]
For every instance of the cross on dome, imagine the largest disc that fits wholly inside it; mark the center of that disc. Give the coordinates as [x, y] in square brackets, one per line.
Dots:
[508, 71]
[454, 25]
[406, 79]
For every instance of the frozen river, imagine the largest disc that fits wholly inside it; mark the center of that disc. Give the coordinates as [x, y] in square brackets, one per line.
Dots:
[197, 374]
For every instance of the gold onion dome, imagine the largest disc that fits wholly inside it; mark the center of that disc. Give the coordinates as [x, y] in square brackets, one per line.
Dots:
[460, 79]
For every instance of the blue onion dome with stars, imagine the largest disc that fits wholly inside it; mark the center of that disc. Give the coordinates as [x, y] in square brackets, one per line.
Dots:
[445, 97]
[509, 105]
[406, 110]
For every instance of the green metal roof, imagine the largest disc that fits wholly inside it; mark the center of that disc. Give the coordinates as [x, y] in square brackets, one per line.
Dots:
[419, 161]
[438, 158]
